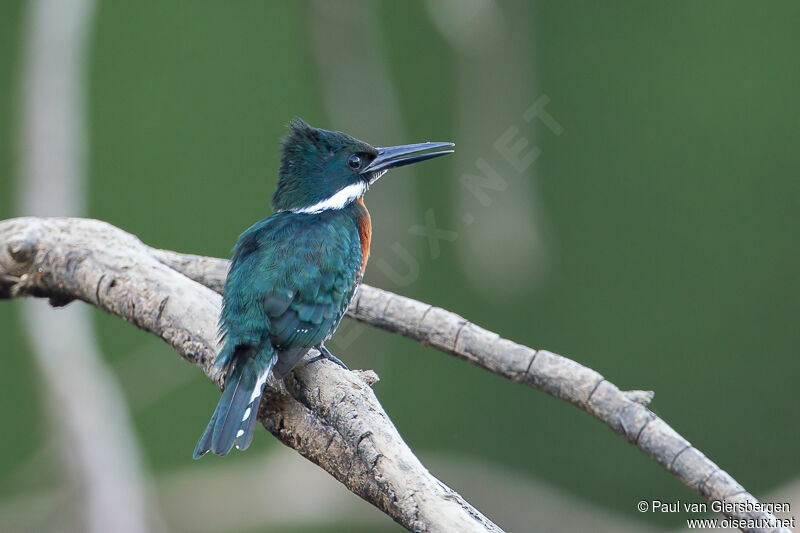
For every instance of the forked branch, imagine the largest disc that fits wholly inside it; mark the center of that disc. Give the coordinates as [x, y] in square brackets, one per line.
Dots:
[329, 415]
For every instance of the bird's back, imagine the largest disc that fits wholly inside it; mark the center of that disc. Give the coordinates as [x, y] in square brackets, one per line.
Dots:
[291, 279]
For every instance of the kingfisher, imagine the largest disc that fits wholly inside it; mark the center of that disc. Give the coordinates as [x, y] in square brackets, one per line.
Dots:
[293, 274]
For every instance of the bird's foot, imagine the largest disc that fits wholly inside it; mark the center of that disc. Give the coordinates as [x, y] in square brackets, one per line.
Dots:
[324, 353]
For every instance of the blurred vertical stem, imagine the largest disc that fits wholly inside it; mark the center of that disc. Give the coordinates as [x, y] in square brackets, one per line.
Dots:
[492, 50]
[93, 430]
[360, 96]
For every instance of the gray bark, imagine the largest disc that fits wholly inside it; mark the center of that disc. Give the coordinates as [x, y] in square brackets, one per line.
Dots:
[327, 414]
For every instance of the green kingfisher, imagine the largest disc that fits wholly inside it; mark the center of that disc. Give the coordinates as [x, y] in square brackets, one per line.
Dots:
[293, 274]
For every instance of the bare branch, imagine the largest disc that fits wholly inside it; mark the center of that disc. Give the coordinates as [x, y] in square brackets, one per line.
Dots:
[330, 416]
[623, 411]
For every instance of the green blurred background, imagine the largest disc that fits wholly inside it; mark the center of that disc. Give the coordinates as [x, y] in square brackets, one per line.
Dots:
[653, 238]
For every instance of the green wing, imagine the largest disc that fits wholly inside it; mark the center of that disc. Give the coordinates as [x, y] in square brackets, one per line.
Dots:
[290, 282]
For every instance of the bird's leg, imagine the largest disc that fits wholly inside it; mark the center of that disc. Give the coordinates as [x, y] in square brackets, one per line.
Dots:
[324, 353]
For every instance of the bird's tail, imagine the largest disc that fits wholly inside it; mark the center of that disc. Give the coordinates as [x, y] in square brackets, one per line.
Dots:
[233, 421]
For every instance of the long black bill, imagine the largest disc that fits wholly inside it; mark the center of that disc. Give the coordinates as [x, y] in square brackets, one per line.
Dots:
[398, 156]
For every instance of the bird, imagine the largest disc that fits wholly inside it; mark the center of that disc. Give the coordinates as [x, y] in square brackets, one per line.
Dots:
[292, 275]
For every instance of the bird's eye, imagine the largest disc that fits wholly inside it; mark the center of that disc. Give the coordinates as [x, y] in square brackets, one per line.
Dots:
[354, 162]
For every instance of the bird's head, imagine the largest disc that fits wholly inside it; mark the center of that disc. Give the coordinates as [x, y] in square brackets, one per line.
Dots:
[323, 169]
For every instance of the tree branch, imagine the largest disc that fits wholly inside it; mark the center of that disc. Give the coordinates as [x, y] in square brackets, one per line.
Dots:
[331, 416]
[623, 411]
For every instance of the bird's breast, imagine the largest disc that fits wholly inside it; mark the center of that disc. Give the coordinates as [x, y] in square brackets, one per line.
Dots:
[364, 232]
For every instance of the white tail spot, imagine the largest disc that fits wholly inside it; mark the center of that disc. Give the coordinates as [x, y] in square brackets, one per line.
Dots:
[260, 384]
[246, 415]
[239, 433]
